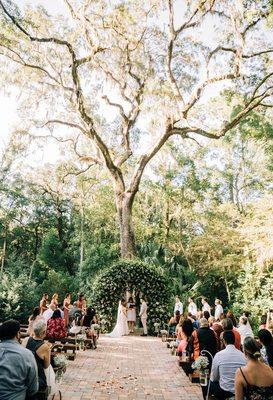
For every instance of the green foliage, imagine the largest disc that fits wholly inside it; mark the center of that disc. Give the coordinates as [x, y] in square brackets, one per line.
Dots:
[18, 297]
[112, 283]
[60, 283]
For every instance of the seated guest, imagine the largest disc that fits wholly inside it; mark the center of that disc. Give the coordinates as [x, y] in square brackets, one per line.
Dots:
[204, 339]
[56, 326]
[174, 321]
[185, 332]
[41, 352]
[216, 326]
[206, 314]
[224, 367]
[263, 322]
[74, 314]
[255, 381]
[231, 316]
[244, 330]
[228, 326]
[49, 312]
[246, 314]
[35, 316]
[18, 370]
[87, 321]
[266, 340]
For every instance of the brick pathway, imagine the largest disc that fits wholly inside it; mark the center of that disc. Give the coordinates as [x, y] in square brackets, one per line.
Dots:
[131, 368]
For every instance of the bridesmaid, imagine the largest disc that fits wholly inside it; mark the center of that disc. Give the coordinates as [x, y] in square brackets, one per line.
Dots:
[54, 300]
[66, 305]
[131, 314]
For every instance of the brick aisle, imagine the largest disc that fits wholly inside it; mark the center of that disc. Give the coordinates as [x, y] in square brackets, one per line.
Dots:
[131, 368]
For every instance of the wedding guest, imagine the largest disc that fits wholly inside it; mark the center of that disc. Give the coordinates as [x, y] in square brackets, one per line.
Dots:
[54, 300]
[204, 339]
[192, 307]
[44, 303]
[205, 304]
[246, 314]
[75, 314]
[173, 322]
[131, 314]
[265, 338]
[224, 367]
[184, 334]
[41, 351]
[66, 307]
[228, 326]
[263, 322]
[87, 321]
[244, 330]
[178, 306]
[218, 310]
[55, 326]
[143, 315]
[18, 370]
[35, 316]
[206, 315]
[231, 316]
[216, 326]
[49, 312]
[255, 381]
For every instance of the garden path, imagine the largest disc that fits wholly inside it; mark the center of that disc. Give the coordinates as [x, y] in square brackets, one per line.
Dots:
[130, 368]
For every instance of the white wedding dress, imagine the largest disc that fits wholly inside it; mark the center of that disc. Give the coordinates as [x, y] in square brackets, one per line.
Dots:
[121, 328]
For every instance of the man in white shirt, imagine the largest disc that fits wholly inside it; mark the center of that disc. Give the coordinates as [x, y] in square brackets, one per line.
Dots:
[244, 329]
[192, 307]
[206, 306]
[178, 306]
[143, 316]
[49, 312]
[224, 367]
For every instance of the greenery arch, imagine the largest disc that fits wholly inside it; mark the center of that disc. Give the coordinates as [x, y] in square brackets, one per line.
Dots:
[112, 283]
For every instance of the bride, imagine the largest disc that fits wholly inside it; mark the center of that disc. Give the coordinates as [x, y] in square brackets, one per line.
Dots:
[121, 327]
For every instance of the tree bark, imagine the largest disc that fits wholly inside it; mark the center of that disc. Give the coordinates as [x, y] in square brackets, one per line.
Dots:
[124, 205]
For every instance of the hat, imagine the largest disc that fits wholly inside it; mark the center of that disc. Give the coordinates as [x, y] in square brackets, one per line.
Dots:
[203, 323]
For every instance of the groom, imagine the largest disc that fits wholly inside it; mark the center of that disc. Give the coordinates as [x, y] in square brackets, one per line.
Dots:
[143, 316]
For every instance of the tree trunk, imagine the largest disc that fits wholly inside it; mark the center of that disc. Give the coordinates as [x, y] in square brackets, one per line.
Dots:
[124, 204]
[82, 240]
[3, 253]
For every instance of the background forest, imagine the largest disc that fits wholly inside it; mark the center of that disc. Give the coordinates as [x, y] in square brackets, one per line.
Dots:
[202, 208]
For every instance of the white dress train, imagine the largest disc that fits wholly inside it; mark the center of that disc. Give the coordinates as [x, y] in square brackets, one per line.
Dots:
[121, 327]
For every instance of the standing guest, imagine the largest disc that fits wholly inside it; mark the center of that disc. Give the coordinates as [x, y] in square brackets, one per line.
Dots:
[41, 351]
[18, 370]
[143, 315]
[255, 381]
[244, 330]
[54, 300]
[178, 306]
[55, 326]
[66, 306]
[231, 316]
[75, 314]
[192, 307]
[228, 326]
[218, 310]
[205, 304]
[49, 312]
[204, 339]
[266, 339]
[44, 303]
[35, 316]
[224, 367]
[131, 314]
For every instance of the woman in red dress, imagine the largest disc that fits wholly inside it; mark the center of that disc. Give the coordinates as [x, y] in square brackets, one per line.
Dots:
[55, 326]
[66, 305]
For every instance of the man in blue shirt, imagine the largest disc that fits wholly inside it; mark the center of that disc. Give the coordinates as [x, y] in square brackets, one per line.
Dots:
[18, 369]
[224, 367]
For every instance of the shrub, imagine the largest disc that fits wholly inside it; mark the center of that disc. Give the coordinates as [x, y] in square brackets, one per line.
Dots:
[112, 284]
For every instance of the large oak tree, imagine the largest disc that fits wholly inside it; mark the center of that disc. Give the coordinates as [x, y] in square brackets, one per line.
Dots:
[116, 81]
